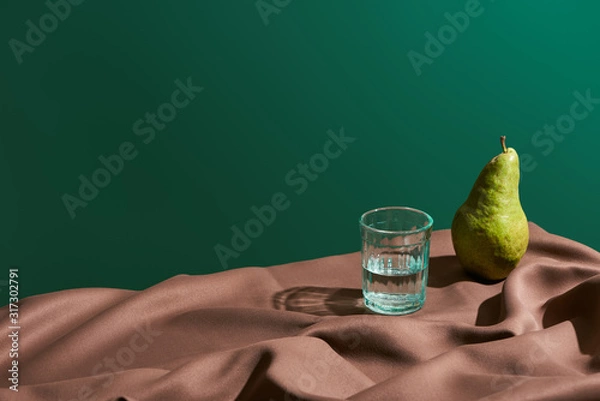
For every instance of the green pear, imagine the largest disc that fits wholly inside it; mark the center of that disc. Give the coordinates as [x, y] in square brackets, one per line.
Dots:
[489, 231]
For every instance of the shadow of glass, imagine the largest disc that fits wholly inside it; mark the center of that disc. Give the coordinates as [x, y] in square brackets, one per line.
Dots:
[321, 301]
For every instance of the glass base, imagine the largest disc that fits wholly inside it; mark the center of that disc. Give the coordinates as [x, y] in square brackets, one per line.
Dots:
[394, 304]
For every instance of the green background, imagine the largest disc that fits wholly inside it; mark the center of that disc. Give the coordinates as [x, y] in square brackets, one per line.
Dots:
[271, 93]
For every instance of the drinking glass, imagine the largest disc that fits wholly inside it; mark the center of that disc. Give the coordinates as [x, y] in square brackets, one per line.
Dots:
[395, 259]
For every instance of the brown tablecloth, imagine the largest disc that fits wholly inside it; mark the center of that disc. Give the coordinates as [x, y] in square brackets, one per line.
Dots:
[299, 331]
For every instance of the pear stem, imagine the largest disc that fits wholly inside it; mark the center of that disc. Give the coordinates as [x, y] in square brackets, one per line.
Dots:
[503, 143]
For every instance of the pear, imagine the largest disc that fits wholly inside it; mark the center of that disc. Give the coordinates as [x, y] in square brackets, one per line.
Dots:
[489, 231]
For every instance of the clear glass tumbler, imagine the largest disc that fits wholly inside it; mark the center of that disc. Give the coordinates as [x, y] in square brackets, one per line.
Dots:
[395, 259]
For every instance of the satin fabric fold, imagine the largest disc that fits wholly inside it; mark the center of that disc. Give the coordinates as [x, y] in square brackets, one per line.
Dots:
[300, 331]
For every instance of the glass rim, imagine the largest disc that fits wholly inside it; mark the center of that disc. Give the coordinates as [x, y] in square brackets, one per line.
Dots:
[403, 208]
